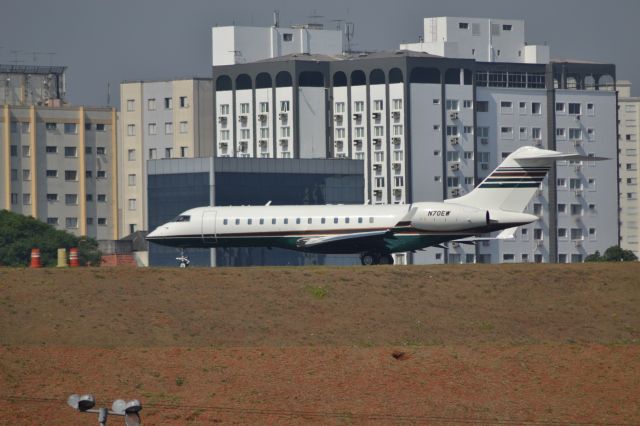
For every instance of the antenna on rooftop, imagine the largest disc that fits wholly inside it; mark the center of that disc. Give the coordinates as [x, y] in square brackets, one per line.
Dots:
[276, 18]
[35, 55]
[108, 93]
[349, 30]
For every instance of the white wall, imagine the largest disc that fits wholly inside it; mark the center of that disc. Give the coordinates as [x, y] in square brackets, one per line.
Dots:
[312, 116]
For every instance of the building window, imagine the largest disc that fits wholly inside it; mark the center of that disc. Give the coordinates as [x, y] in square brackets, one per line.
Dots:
[287, 37]
[26, 151]
[131, 130]
[560, 107]
[522, 107]
[132, 180]
[245, 133]
[285, 131]
[101, 150]
[537, 234]
[506, 107]
[183, 127]
[339, 107]
[52, 221]
[452, 130]
[51, 126]
[574, 109]
[168, 103]
[168, 128]
[70, 175]
[284, 106]
[71, 199]
[224, 135]
[151, 104]
[264, 107]
[184, 103]
[523, 133]
[224, 109]
[71, 222]
[536, 133]
[378, 130]
[52, 173]
[151, 127]
[482, 106]
[102, 198]
[590, 109]
[130, 105]
[132, 204]
[183, 151]
[575, 133]
[167, 152]
[131, 155]
[26, 174]
[244, 108]
[506, 132]
[153, 153]
[100, 127]
[26, 199]
[467, 104]
[463, 25]
[562, 232]
[378, 105]
[101, 174]
[452, 105]
[397, 104]
[536, 108]
[49, 150]
[70, 151]
[397, 130]
[102, 221]
[70, 128]
[88, 150]
[358, 106]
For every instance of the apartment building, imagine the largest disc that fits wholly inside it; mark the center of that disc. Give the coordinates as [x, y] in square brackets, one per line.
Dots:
[58, 165]
[628, 122]
[431, 127]
[159, 119]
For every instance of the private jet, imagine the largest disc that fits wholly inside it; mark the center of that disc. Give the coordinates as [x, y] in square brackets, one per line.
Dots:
[373, 231]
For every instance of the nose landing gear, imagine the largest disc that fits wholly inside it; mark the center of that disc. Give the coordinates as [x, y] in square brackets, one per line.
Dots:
[376, 259]
[183, 260]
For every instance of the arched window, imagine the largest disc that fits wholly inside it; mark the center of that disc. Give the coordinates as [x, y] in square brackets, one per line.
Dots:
[283, 79]
[376, 77]
[425, 75]
[223, 83]
[243, 82]
[395, 76]
[606, 82]
[311, 79]
[358, 78]
[339, 79]
[263, 81]
[452, 76]
[468, 78]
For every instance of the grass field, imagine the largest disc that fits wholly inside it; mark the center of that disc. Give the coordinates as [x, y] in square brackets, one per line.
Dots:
[438, 344]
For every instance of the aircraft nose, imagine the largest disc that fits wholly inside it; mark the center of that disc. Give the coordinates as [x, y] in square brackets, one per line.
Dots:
[155, 233]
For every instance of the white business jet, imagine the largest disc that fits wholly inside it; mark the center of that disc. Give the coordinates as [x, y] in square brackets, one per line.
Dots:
[373, 231]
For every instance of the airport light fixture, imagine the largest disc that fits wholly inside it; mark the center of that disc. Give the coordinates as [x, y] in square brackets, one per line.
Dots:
[128, 409]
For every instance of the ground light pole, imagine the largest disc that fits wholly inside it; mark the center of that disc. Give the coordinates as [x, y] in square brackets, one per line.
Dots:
[127, 409]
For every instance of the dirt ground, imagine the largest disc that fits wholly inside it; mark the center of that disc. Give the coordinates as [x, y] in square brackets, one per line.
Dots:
[480, 344]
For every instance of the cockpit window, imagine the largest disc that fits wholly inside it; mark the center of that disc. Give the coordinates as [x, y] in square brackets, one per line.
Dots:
[182, 218]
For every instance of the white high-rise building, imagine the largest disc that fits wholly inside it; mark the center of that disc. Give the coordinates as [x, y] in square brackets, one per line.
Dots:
[482, 39]
[629, 158]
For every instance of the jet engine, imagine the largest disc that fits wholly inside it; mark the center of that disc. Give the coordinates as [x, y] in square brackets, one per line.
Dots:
[449, 217]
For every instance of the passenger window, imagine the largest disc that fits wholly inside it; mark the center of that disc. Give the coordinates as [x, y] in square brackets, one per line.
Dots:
[335, 220]
[237, 221]
[309, 221]
[225, 222]
[286, 220]
[371, 220]
[359, 220]
[261, 221]
[346, 220]
[298, 221]
[273, 221]
[323, 221]
[249, 221]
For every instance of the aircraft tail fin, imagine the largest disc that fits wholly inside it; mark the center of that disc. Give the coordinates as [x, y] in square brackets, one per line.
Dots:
[514, 182]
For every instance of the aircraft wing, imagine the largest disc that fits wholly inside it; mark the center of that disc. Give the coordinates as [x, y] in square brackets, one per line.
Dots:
[505, 234]
[328, 239]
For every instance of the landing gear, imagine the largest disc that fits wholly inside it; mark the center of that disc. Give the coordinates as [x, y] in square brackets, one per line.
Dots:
[183, 261]
[376, 258]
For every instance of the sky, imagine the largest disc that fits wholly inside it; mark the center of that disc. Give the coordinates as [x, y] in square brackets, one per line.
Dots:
[109, 41]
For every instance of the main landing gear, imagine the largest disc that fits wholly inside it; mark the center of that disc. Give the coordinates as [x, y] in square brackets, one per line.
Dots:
[376, 259]
[183, 260]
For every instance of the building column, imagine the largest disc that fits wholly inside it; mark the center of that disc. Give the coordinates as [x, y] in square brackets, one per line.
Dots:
[83, 173]
[33, 162]
[114, 174]
[7, 158]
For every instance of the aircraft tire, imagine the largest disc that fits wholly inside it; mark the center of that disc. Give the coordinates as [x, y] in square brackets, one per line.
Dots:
[368, 259]
[386, 259]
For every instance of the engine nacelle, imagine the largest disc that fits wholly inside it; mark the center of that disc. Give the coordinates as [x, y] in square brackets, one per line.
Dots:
[448, 217]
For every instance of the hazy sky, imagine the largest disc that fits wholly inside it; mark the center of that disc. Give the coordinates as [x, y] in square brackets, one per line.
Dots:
[113, 40]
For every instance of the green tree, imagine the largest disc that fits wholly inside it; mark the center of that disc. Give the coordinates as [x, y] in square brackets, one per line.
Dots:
[19, 234]
[595, 257]
[618, 254]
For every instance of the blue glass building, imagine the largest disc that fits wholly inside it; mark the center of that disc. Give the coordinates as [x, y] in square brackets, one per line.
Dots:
[176, 185]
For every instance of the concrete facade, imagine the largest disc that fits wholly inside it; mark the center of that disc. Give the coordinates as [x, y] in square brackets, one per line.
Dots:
[487, 40]
[238, 45]
[628, 122]
[32, 85]
[431, 128]
[159, 119]
[59, 166]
